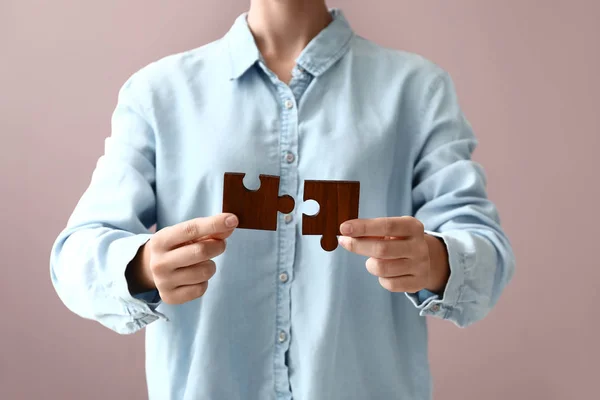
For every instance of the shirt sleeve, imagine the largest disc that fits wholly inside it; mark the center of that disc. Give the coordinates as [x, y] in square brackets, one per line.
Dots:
[450, 199]
[109, 224]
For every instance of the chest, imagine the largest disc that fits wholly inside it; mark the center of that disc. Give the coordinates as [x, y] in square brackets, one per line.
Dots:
[318, 132]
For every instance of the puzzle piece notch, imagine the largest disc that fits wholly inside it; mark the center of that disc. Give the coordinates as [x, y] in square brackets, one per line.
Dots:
[338, 203]
[255, 209]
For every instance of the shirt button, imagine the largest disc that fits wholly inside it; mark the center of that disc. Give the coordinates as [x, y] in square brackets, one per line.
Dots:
[283, 277]
[435, 308]
[282, 337]
[289, 104]
[288, 218]
[289, 157]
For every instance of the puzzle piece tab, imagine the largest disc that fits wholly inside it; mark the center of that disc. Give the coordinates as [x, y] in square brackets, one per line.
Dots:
[255, 209]
[338, 203]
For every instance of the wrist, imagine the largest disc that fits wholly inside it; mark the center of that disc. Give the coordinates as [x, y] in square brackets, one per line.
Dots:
[439, 266]
[138, 274]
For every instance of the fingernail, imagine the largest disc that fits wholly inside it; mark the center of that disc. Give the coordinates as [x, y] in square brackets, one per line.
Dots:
[231, 221]
[342, 240]
[346, 229]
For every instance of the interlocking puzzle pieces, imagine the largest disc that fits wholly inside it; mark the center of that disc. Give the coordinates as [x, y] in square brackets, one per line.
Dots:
[255, 209]
[338, 203]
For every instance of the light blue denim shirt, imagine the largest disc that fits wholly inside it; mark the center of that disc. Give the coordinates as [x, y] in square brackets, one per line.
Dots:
[282, 318]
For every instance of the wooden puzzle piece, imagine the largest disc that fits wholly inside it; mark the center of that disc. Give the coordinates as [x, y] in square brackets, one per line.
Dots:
[255, 209]
[338, 203]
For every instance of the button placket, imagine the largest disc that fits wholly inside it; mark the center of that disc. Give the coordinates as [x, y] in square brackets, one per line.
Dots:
[286, 233]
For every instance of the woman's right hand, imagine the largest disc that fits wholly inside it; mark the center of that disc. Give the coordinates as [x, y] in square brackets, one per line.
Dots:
[177, 260]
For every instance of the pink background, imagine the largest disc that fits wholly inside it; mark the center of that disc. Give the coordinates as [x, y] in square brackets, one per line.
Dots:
[527, 73]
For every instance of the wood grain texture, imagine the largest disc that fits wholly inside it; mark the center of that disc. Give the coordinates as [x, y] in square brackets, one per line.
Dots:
[338, 202]
[255, 209]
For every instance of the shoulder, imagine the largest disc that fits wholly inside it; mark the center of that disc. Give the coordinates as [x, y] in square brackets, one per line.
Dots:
[414, 71]
[172, 71]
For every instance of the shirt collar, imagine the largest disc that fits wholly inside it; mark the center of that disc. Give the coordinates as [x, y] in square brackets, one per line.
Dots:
[322, 52]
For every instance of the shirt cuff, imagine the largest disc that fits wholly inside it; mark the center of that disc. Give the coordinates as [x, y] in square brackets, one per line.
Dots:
[142, 307]
[431, 304]
[151, 297]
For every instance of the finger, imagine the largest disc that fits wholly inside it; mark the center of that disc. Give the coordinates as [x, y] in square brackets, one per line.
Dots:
[406, 283]
[222, 236]
[195, 229]
[389, 268]
[379, 248]
[192, 275]
[183, 294]
[192, 253]
[382, 227]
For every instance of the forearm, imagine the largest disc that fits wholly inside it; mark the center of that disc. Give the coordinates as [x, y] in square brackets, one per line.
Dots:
[476, 262]
[87, 271]
[96, 261]
[481, 264]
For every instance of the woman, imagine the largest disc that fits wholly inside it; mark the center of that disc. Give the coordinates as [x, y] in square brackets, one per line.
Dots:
[289, 91]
